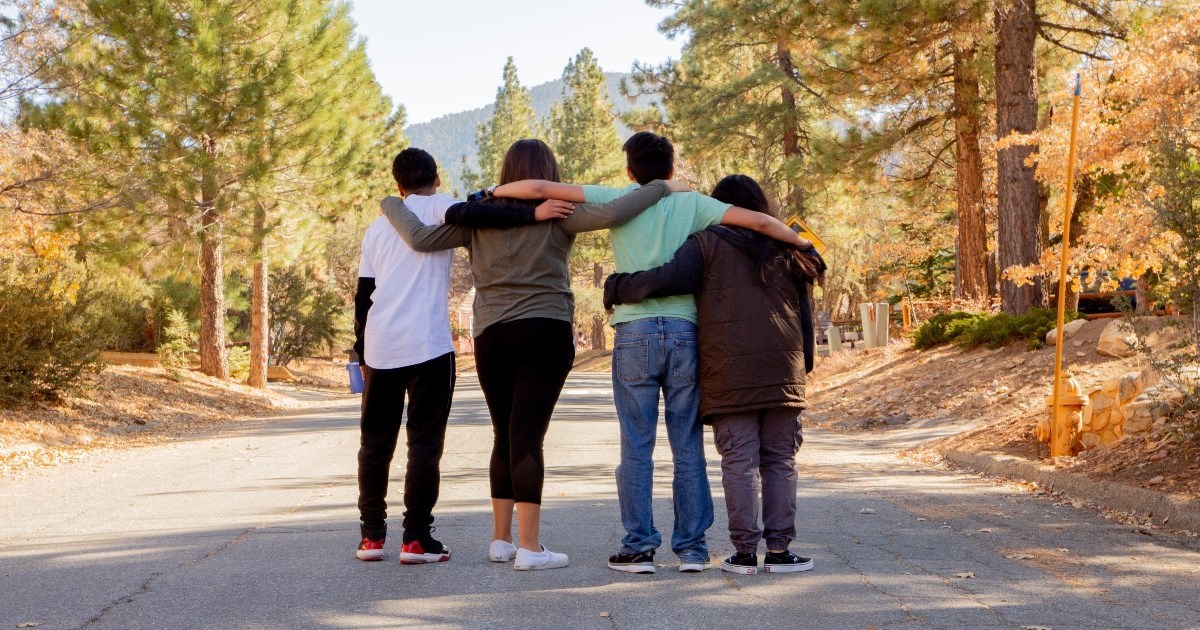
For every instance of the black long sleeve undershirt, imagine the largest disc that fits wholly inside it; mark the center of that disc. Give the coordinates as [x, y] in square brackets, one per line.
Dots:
[362, 305]
[482, 214]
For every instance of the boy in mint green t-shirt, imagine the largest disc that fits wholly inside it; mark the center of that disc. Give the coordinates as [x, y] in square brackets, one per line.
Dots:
[655, 351]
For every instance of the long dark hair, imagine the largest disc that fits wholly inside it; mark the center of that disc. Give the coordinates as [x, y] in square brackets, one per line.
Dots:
[528, 159]
[769, 255]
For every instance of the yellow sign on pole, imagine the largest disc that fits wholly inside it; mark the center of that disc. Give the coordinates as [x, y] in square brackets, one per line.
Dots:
[801, 228]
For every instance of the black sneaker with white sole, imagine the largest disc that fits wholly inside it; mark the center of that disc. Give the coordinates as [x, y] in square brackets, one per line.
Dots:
[744, 563]
[786, 562]
[642, 562]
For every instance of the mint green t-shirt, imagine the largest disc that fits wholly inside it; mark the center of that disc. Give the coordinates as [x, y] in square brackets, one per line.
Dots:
[651, 238]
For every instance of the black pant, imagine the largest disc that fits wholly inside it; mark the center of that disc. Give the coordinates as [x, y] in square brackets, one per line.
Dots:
[429, 386]
[522, 367]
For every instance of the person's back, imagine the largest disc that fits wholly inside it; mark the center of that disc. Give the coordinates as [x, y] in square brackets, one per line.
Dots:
[655, 350]
[409, 317]
[755, 325]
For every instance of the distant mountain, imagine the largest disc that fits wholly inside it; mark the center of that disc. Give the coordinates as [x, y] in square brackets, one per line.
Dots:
[451, 137]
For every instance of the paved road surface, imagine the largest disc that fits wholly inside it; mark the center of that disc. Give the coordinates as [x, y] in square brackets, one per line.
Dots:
[255, 528]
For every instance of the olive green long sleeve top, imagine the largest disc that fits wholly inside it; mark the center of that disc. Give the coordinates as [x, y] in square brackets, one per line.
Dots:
[521, 272]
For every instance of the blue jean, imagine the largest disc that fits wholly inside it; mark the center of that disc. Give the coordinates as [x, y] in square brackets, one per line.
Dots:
[650, 355]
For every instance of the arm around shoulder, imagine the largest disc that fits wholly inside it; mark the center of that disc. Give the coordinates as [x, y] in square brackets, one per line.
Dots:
[764, 224]
[589, 217]
[421, 237]
[683, 275]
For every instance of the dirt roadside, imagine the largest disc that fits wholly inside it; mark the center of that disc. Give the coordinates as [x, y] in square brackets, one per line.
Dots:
[986, 404]
[126, 406]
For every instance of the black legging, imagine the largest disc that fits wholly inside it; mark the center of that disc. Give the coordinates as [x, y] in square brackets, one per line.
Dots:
[522, 366]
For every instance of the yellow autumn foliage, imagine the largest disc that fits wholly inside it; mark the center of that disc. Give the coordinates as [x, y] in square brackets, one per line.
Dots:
[1152, 84]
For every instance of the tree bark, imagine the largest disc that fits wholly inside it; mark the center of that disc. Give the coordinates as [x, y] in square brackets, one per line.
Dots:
[1142, 294]
[970, 277]
[1085, 202]
[791, 127]
[598, 340]
[213, 359]
[259, 322]
[1019, 238]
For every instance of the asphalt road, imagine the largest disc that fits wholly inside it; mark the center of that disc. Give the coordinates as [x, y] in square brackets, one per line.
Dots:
[255, 527]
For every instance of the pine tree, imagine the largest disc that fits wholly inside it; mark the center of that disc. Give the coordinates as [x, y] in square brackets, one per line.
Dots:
[512, 119]
[923, 96]
[583, 134]
[582, 129]
[215, 108]
[742, 96]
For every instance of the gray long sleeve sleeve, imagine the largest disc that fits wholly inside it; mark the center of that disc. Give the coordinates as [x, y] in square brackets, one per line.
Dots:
[421, 237]
[589, 217]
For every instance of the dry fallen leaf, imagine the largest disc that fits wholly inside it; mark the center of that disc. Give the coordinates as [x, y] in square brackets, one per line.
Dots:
[866, 511]
[28, 624]
[606, 614]
[1018, 556]
[966, 575]
[986, 530]
[1036, 628]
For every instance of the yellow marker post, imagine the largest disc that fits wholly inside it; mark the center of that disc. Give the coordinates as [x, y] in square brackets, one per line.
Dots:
[1060, 436]
[802, 229]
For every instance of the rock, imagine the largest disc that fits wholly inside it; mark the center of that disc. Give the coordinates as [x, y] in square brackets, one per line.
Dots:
[1117, 340]
[1137, 424]
[1129, 387]
[1154, 481]
[1070, 328]
[1090, 440]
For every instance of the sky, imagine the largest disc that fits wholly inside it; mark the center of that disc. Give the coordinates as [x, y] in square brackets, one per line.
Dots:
[439, 57]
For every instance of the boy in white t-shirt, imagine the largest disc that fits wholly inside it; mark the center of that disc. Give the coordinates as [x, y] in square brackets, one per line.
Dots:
[402, 336]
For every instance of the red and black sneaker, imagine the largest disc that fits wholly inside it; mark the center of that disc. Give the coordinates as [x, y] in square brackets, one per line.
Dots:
[370, 550]
[423, 550]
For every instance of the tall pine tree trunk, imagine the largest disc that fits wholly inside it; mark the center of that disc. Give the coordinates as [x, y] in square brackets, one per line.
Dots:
[970, 277]
[1019, 235]
[258, 301]
[791, 126]
[213, 360]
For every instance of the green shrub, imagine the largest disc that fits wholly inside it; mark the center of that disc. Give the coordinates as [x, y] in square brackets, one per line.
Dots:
[178, 340]
[937, 329]
[971, 330]
[52, 327]
[306, 313]
[126, 300]
[239, 363]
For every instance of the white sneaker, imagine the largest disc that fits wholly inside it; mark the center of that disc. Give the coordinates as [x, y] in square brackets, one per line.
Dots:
[531, 560]
[501, 551]
[693, 567]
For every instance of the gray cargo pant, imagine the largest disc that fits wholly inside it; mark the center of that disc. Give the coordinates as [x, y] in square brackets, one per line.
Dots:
[758, 453]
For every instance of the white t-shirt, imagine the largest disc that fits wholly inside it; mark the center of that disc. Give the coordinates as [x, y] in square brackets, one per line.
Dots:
[409, 320]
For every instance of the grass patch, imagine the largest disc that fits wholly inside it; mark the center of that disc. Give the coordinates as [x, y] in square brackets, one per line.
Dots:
[971, 330]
